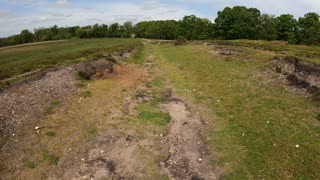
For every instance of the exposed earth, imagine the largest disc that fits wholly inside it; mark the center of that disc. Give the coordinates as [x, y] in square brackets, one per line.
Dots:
[112, 119]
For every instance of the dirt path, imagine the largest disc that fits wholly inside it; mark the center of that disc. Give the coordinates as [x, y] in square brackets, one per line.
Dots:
[130, 126]
[188, 154]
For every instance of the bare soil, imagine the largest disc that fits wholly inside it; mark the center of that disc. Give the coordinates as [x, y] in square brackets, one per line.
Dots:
[299, 74]
[188, 155]
[224, 51]
[97, 137]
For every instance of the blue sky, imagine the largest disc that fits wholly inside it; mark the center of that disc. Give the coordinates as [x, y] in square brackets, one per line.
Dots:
[16, 15]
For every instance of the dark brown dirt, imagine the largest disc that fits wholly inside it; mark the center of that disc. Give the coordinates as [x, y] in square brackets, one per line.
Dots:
[299, 74]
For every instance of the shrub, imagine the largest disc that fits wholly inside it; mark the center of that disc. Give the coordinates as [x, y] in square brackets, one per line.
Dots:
[181, 40]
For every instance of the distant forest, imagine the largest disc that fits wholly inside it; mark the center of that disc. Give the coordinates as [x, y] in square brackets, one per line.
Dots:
[238, 22]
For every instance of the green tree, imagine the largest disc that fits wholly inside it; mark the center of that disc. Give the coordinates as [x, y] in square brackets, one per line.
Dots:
[310, 28]
[238, 22]
[267, 27]
[128, 29]
[25, 37]
[114, 30]
[287, 29]
[192, 27]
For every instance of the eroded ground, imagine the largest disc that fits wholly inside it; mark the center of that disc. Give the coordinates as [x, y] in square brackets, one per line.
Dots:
[173, 112]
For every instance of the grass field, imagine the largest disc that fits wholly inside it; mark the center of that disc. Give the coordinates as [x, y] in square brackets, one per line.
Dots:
[27, 58]
[258, 129]
[307, 53]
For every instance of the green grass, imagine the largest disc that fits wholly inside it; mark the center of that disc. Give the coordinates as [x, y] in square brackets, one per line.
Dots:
[306, 53]
[254, 123]
[81, 84]
[18, 60]
[30, 164]
[54, 103]
[51, 133]
[91, 131]
[51, 158]
[86, 94]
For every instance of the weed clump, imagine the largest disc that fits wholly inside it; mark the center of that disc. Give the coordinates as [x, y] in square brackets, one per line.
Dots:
[86, 94]
[54, 103]
[180, 41]
[30, 164]
[81, 84]
[92, 131]
[51, 158]
[51, 133]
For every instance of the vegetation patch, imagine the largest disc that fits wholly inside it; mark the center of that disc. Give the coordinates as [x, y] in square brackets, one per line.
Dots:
[19, 60]
[181, 41]
[86, 94]
[150, 113]
[253, 131]
[51, 158]
[51, 133]
[81, 84]
[54, 103]
[29, 164]
[91, 131]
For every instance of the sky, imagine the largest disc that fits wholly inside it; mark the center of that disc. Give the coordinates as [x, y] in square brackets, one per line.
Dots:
[16, 15]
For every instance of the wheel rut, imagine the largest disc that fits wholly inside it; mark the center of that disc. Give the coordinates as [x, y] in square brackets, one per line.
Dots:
[188, 154]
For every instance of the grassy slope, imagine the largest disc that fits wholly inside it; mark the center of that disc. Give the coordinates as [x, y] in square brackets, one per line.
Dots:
[307, 53]
[255, 124]
[26, 58]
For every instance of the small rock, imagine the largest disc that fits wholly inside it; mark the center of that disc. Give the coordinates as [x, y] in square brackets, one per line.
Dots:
[13, 134]
[297, 146]
[102, 151]
[82, 159]
[38, 131]
[36, 128]
[70, 149]
[268, 122]
[161, 135]
[200, 159]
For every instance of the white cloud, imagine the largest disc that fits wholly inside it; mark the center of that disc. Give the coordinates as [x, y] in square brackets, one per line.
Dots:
[60, 13]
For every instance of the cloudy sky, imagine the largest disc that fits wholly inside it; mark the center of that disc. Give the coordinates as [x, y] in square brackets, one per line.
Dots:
[16, 15]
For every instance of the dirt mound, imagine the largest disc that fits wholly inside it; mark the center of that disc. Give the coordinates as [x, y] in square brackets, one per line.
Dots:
[118, 56]
[96, 69]
[21, 105]
[300, 74]
[224, 51]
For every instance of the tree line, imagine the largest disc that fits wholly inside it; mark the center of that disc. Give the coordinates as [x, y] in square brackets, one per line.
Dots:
[237, 22]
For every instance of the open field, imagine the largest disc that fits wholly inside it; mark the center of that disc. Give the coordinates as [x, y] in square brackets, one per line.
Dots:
[215, 111]
[28, 58]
